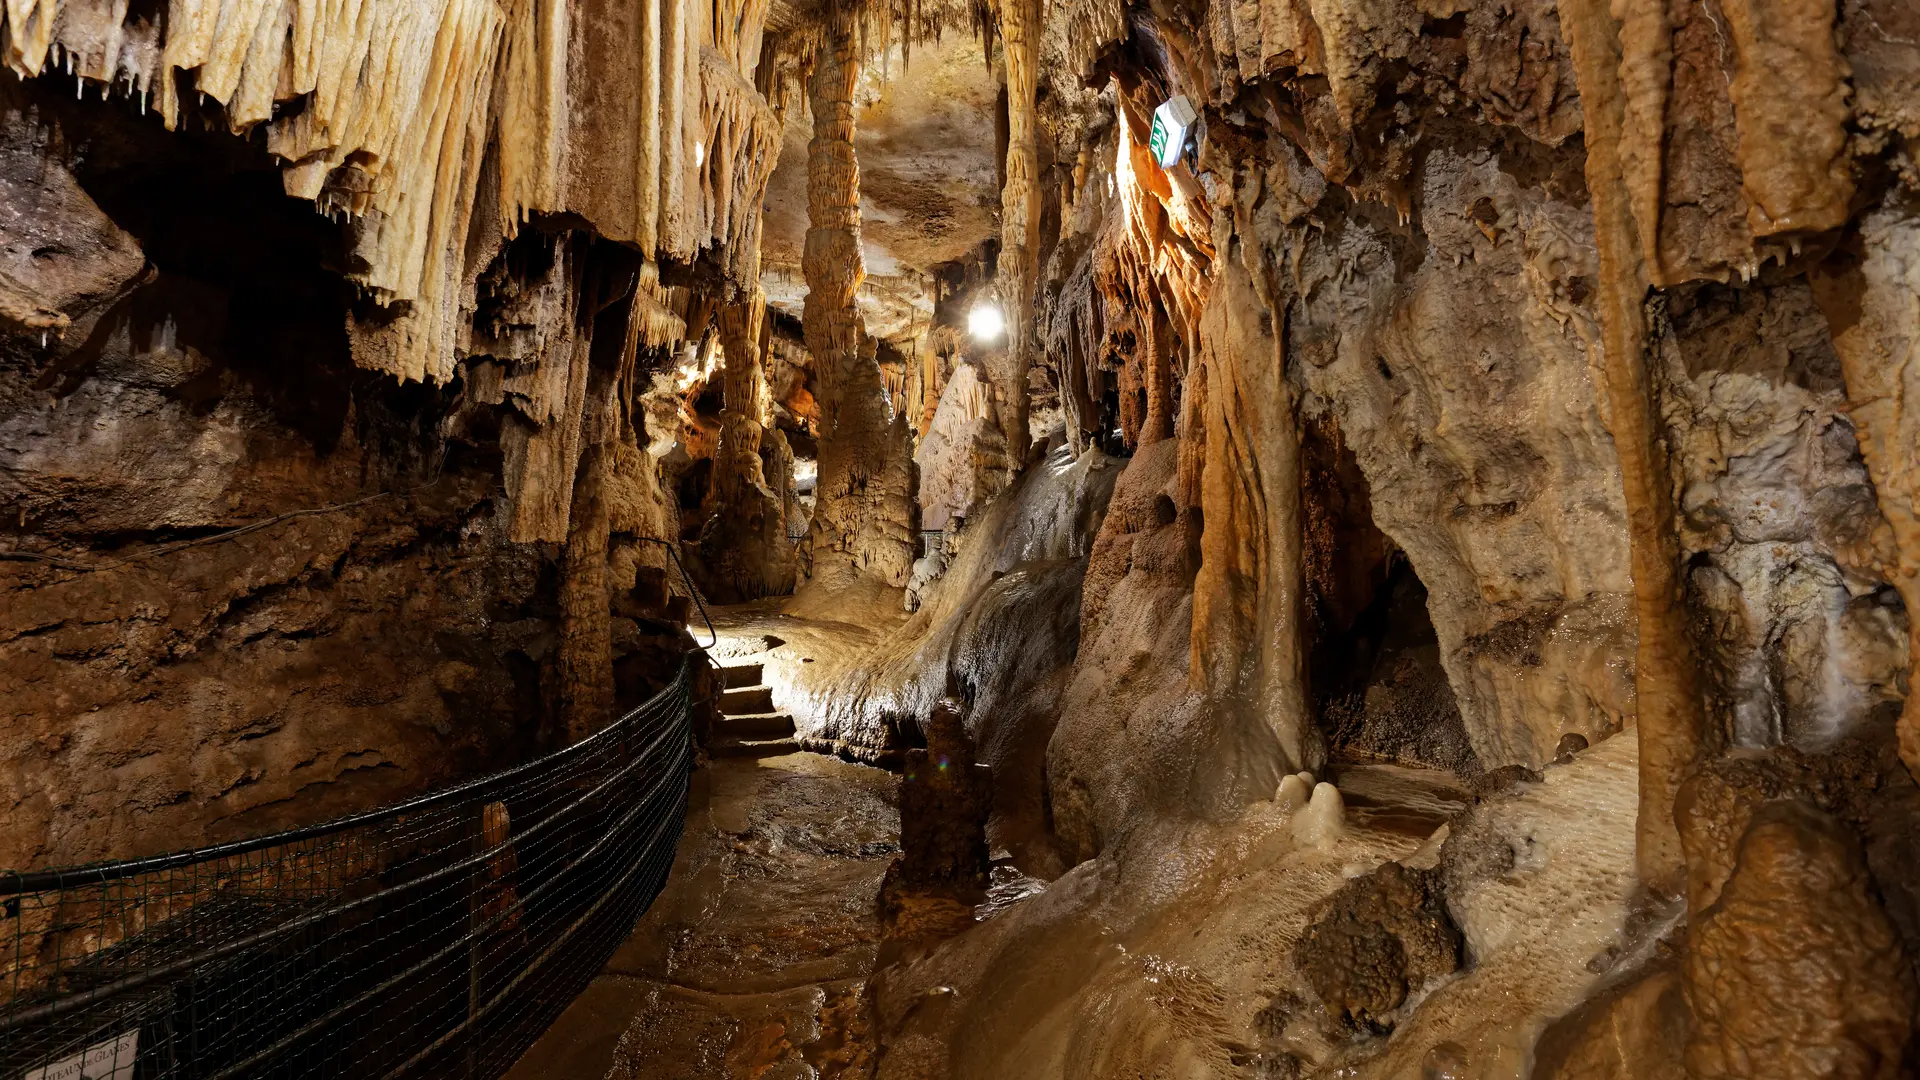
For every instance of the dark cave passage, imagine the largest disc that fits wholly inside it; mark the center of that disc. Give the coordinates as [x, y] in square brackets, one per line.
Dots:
[1379, 691]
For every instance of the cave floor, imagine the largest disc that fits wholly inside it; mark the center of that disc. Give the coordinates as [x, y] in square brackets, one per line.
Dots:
[753, 961]
[759, 958]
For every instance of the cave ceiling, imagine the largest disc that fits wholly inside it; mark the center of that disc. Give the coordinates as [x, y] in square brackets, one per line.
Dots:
[929, 191]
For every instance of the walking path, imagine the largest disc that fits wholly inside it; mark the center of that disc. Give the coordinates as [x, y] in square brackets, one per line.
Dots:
[753, 962]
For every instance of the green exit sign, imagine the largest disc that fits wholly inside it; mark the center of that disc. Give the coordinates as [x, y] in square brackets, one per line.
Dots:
[1171, 123]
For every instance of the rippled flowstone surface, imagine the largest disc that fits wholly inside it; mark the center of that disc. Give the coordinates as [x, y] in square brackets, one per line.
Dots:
[754, 960]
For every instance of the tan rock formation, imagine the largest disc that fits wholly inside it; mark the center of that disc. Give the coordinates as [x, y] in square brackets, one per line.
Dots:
[1020, 29]
[1670, 717]
[1248, 609]
[862, 518]
[745, 553]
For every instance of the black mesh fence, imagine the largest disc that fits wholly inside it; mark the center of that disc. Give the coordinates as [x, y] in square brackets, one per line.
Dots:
[435, 937]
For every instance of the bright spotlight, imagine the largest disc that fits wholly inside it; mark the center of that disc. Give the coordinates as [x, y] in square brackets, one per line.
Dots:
[985, 323]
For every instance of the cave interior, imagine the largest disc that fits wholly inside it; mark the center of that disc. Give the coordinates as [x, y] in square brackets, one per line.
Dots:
[1230, 539]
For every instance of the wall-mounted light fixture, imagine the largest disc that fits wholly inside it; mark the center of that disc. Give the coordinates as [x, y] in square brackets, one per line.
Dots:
[985, 323]
[1172, 121]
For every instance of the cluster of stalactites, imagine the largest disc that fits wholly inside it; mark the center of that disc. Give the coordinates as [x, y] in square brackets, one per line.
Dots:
[399, 101]
[1146, 280]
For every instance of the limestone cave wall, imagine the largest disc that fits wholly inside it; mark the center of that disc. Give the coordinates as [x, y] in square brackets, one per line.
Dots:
[324, 342]
[1603, 309]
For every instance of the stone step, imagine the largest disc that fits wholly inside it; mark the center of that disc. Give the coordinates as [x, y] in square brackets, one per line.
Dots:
[739, 675]
[747, 700]
[755, 725]
[756, 748]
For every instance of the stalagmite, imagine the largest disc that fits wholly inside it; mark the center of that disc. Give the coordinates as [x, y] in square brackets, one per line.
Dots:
[1320, 823]
[744, 393]
[1671, 718]
[744, 550]
[1293, 793]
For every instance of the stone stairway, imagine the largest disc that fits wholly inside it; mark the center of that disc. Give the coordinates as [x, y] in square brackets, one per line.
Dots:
[749, 725]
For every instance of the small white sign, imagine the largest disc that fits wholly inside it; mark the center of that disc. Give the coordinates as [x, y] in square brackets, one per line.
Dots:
[110, 1060]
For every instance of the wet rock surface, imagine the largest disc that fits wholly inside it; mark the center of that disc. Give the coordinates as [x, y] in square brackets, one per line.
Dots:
[944, 804]
[1637, 1029]
[754, 961]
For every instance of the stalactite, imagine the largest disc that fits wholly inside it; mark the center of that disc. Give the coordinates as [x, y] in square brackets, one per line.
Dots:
[1790, 107]
[742, 146]
[402, 101]
[1093, 26]
[1646, 72]
[1073, 340]
[1157, 370]
[1672, 721]
[1247, 647]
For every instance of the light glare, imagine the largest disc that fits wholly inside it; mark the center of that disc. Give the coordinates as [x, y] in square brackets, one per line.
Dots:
[985, 323]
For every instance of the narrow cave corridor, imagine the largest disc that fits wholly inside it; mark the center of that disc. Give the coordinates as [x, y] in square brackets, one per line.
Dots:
[828, 540]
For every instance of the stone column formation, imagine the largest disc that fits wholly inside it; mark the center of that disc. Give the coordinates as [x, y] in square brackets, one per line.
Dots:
[863, 508]
[1020, 220]
[743, 546]
[586, 652]
[1671, 716]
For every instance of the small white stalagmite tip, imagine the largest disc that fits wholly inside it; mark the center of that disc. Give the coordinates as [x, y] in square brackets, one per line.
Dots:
[1324, 819]
[1293, 793]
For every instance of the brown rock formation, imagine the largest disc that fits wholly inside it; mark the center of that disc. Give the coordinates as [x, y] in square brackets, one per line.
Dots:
[586, 634]
[1020, 29]
[744, 551]
[943, 807]
[1794, 971]
[862, 518]
[1870, 293]
[1637, 1029]
[1379, 938]
[1248, 645]
[1670, 717]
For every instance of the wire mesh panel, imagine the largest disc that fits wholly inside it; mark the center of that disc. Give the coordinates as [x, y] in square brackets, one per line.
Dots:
[435, 937]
